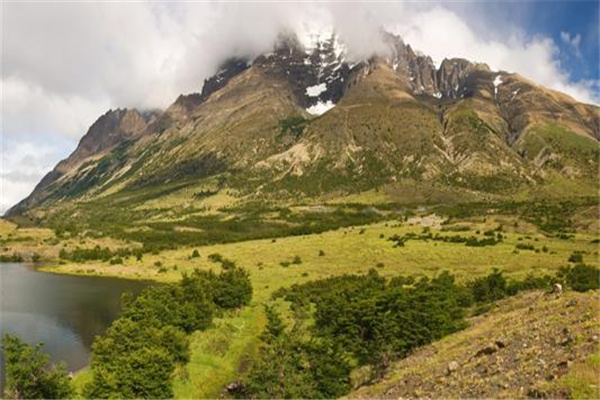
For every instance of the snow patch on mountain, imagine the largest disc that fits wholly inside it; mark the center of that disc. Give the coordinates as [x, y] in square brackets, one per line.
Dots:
[320, 108]
[497, 82]
[316, 90]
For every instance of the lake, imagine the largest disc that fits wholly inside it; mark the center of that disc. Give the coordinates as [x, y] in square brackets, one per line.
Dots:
[65, 312]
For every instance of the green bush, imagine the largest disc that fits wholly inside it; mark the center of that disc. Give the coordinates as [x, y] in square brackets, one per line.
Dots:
[29, 374]
[581, 277]
[576, 257]
[289, 367]
[489, 288]
[134, 360]
[138, 354]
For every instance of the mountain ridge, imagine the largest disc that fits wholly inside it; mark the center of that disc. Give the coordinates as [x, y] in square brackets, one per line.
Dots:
[309, 114]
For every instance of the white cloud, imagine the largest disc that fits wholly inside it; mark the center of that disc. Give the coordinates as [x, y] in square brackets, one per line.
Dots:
[573, 41]
[23, 164]
[441, 34]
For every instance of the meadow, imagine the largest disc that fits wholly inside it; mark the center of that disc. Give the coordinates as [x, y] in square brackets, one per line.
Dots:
[523, 245]
[221, 353]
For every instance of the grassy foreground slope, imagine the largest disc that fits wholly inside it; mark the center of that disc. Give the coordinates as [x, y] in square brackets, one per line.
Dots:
[222, 354]
[534, 345]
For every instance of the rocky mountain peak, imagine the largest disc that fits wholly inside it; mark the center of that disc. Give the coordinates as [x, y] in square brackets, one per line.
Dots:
[314, 66]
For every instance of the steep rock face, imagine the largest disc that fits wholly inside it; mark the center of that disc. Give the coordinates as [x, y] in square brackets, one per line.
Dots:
[110, 130]
[316, 70]
[453, 75]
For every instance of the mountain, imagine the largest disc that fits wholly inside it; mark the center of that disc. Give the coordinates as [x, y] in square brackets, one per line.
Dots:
[306, 121]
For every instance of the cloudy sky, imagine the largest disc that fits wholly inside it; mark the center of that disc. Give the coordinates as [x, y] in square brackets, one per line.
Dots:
[66, 63]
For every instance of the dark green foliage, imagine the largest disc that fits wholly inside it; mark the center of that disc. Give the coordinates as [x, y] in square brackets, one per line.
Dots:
[581, 277]
[135, 360]
[195, 254]
[215, 257]
[377, 322]
[374, 320]
[170, 304]
[525, 246]
[275, 326]
[488, 241]
[550, 215]
[138, 354]
[531, 282]
[576, 257]
[116, 261]
[29, 374]
[489, 288]
[233, 288]
[225, 263]
[365, 319]
[96, 253]
[14, 257]
[289, 367]
[426, 235]
[292, 125]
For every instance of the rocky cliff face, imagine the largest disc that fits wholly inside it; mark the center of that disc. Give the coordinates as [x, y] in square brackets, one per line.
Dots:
[110, 130]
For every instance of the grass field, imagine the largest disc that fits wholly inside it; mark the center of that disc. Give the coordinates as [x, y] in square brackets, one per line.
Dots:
[221, 353]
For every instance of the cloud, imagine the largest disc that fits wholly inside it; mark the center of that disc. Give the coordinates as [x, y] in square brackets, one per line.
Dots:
[573, 41]
[441, 34]
[23, 164]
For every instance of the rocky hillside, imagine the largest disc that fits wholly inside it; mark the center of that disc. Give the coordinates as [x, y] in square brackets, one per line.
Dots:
[532, 346]
[306, 121]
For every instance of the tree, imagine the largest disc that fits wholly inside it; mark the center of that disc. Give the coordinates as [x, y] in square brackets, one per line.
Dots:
[136, 360]
[581, 277]
[29, 374]
[233, 288]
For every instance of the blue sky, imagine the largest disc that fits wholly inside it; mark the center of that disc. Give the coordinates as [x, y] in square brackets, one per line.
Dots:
[554, 19]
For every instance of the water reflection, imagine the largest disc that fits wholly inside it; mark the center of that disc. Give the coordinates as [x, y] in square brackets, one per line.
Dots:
[64, 312]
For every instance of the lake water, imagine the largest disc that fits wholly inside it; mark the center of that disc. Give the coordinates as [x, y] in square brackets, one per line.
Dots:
[65, 312]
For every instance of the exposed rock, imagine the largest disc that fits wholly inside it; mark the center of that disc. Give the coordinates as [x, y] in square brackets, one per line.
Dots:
[235, 387]
[557, 289]
[490, 348]
[452, 366]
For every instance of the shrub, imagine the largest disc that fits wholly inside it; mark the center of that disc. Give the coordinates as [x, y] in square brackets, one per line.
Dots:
[289, 367]
[524, 246]
[581, 277]
[321, 253]
[116, 261]
[215, 257]
[133, 361]
[138, 354]
[195, 254]
[29, 374]
[489, 288]
[233, 289]
[576, 257]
